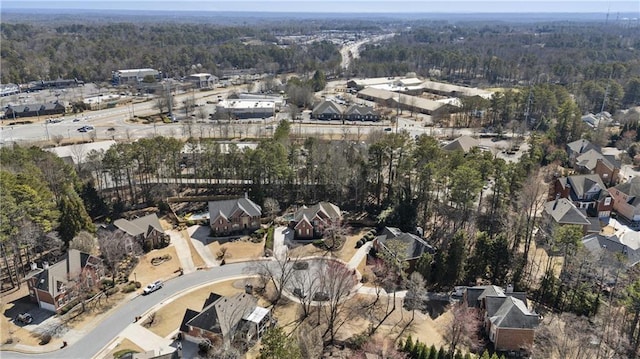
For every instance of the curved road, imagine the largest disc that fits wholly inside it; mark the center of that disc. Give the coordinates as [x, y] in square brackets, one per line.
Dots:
[94, 341]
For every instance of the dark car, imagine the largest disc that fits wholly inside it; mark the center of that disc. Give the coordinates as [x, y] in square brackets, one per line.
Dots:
[299, 265]
[321, 296]
[388, 129]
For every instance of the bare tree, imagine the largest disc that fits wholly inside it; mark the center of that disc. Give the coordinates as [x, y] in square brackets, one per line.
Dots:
[337, 283]
[310, 341]
[271, 207]
[115, 246]
[84, 242]
[416, 292]
[277, 271]
[161, 103]
[57, 139]
[305, 285]
[566, 336]
[464, 328]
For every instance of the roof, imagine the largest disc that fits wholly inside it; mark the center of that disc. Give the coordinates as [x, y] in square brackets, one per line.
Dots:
[582, 184]
[420, 102]
[513, 313]
[328, 107]
[413, 245]
[564, 211]
[257, 315]
[360, 110]
[241, 104]
[323, 210]
[79, 152]
[581, 146]
[138, 226]
[377, 93]
[227, 208]
[58, 273]
[224, 314]
[138, 72]
[615, 238]
[463, 143]
[630, 188]
[455, 89]
[590, 158]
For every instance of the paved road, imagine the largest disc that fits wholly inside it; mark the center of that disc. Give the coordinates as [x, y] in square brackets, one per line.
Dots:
[90, 344]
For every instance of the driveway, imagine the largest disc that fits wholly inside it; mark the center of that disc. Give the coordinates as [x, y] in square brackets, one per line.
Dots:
[183, 251]
[199, 237]
[280, 234]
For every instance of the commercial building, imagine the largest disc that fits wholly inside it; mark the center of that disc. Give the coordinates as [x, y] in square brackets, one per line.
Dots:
[243, 109]
[133, 76]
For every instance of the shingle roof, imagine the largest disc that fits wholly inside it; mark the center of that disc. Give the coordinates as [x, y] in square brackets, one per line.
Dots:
[328, 107]
[624, 241]
[228, 207]
[224, 314]
[582, 146]
[564, 212]
[590, 158]
[463, 143]
[582, 184]
[140, 225]
[327, 209]
[630, 188]
[413, 245]
[360, 110]
[513, 313]
[73, 262]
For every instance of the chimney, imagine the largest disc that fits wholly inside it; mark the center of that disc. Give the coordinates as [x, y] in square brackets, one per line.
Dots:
[45, 265]
[246, 195]
[510, 288]
[556, 203]
[33, 265]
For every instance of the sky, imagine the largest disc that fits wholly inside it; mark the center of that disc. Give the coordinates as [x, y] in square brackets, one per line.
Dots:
[345, 6]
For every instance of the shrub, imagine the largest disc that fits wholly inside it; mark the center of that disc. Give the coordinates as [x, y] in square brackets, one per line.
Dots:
[130, 287]
[123, 353]
[138, 284]
[269, 242]
[106, 283]
[45, 339]
[69, 306]
[359, 243]
[111, 291]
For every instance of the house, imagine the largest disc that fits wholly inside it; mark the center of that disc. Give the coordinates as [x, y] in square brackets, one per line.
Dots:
[51, 286]
[562, 211]
[403, 245]
[225, 320]
[626, 199]
[586, 192]
[36, 109]
[605, 166]
[327, 110]
[615, 239]
[203, 80]
[594, 121]
[507, 320]
[576, 148]
[361, 113]
[234, 216]
[147, 231]
[310, 222]
[462, 143]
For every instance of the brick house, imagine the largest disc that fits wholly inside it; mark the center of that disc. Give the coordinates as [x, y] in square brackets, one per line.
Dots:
[234, 216]
[224, 320]
[626, 199]
[507, 320]
[310, 222]
[146, 231]
[327, 110]
[51, 286]
[587, 192]
[587, 158]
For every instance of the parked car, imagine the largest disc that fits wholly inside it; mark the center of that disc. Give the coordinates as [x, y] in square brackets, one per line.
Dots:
[388, 129]
[152, 287]
[320, 296]
[300, 265]
[24, 318]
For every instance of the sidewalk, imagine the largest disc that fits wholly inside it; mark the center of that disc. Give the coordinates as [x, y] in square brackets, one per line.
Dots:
[182, 248]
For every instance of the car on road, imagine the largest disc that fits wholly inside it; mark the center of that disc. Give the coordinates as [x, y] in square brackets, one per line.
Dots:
[24, 318]
[86, 128]
[388, 129]
[152, 287]
[76, 120]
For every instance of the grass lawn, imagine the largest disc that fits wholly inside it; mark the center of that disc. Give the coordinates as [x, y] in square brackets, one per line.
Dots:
[125, 344]
[145, 272]
[198, 262]
[168, 318]
[239, 250]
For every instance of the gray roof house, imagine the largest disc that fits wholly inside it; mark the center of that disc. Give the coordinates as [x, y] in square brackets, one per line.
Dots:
[462, 143]
[361, 113]
[563, 211]
[615, 239]
[508, 321]
[146, 230]
[391, 239]
[310, 222]
[226, 319]
[575, 148]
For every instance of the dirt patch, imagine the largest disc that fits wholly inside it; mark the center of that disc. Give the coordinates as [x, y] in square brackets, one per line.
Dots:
[239, 250]
[169, 317]
[146, 273]
[349, 247]
[306, 250]
[125, 344]
[538, 263]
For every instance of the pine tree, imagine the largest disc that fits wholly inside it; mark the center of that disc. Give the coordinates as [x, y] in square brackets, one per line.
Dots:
[408, 345]
[485, 355]
[433, 352]
[442, 354]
